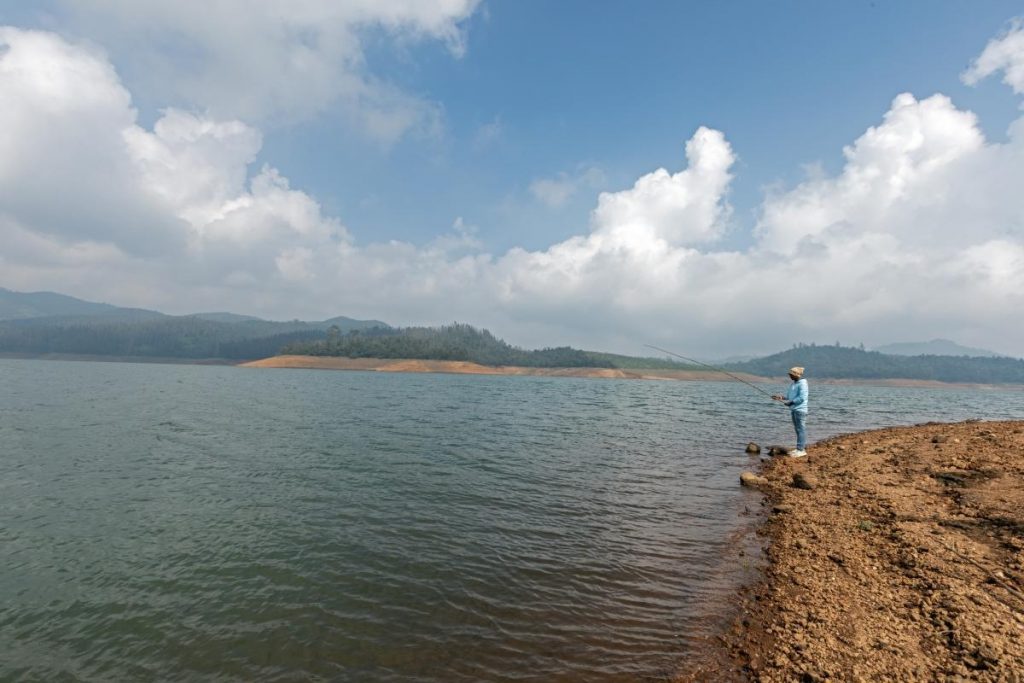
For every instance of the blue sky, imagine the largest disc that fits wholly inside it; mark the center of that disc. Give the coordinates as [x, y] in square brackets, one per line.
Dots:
[603, 84]
[422, 161]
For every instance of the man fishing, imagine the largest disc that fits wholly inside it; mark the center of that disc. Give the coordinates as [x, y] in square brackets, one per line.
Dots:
[796, 399]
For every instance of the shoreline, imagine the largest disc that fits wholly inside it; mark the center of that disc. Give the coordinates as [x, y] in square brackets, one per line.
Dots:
[890, 554]
[469, 368]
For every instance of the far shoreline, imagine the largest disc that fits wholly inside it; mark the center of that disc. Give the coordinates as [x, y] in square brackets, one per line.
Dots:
[417, 366]
[407, 365]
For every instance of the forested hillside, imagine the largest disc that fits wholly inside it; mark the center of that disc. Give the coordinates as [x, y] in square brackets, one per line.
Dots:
[451, 342]
[58, 324]
[841, 362]
[162, 336]
[22, 305]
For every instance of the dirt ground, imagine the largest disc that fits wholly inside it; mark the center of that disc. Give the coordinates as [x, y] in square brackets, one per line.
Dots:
[466, 368]
[892, 555]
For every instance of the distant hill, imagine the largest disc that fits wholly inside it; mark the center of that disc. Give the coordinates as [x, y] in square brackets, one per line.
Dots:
[935, 347]
[223, 317]
[47, 323]
[840, 362]
[346, 324]
[21, 305]
[455, 342]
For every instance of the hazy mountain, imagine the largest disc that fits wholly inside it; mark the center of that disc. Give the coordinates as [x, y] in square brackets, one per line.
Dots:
[841, 362]
[346, 324]
[224, 317]
[935, 347]
[47, 323]
[19, 305]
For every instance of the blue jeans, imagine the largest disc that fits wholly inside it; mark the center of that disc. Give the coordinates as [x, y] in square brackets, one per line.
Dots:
[799, 418]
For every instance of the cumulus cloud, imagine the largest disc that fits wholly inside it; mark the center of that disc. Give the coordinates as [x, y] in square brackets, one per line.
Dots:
[919, 234]
[64, 167]
[77, 170]
[1006, 54]
[259, 60]
[681, 208]
[895, 173]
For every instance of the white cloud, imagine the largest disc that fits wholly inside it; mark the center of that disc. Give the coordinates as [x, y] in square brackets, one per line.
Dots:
[78, 169]
[895, 173]
[919, 235]
[682, 208]
[488, 134]
[264, 59]
[1006, 54]
[64, 166]
[555, 192]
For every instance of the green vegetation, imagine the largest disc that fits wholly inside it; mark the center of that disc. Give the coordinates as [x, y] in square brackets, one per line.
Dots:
[640, 363]
[842, 362]
[49, 323]
[458, 342]
[161, 336]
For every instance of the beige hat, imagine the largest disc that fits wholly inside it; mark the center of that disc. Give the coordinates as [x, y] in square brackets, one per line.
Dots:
[797, 372]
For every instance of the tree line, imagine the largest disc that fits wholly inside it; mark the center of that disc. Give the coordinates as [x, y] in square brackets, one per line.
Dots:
[455, 342]
[162, 337]
[843, 362]
[195, 337]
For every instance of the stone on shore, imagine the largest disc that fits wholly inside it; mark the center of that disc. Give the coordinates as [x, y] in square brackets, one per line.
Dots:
[753, 448]
[752, 480]
[805, 480]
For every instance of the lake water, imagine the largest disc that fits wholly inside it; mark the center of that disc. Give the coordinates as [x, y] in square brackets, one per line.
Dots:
[162, 522]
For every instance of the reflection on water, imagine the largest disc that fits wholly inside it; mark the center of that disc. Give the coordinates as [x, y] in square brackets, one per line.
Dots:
[183, 522]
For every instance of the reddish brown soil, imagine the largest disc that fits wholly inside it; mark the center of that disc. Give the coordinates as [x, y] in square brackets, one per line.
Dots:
[466, 368]
[904, 562]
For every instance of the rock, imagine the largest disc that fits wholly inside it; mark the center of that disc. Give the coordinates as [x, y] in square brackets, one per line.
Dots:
[778, 450]
[840, 448]
[752, 480]
[939, 438]
[805, 480]
[753, 448]
[782, 508]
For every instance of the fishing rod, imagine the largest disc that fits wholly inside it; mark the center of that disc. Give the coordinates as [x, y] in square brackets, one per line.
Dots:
[692, 360]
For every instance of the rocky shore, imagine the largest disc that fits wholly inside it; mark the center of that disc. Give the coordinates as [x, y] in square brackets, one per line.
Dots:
[892, 555]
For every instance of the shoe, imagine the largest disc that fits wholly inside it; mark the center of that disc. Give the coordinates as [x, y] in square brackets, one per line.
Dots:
[798, 454]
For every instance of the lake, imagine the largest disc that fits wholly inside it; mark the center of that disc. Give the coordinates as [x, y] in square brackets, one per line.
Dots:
[180, 522]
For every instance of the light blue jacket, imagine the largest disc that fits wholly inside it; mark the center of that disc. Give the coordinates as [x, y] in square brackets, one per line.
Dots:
[796, 397]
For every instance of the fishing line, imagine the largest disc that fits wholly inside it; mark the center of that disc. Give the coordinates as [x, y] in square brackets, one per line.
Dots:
[712, 367]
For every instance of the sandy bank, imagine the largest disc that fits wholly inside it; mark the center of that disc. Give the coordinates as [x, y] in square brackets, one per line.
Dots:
[905, 561]
[462, 367]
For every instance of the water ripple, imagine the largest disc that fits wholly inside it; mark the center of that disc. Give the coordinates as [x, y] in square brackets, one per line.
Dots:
[202, 523]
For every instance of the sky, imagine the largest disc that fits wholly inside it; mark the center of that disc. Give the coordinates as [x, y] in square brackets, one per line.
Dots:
[719, 179]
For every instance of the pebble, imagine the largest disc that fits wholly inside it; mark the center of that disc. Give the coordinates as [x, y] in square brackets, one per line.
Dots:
[752, 480]
[804, 480]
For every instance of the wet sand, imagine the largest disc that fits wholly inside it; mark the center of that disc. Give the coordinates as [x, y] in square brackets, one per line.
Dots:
[895, 554]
